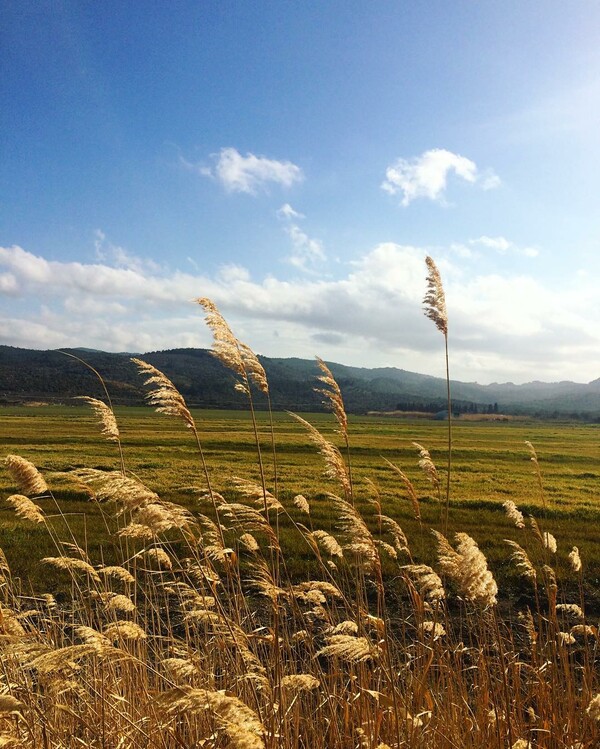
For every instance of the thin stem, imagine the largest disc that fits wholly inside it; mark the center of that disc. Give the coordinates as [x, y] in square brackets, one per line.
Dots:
[447, 511]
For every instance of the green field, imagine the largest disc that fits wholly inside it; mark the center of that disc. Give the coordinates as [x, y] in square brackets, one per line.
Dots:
[491, 463]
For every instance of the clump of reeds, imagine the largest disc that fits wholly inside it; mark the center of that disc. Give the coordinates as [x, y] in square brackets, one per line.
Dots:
[197, 635]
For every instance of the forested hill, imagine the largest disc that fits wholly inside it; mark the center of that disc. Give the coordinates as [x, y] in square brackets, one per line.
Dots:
[50, 376]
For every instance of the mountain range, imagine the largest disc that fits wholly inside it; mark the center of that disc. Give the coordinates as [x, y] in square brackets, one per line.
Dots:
[49, 376]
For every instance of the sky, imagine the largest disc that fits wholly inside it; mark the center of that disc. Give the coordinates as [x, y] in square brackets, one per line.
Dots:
[296, 163]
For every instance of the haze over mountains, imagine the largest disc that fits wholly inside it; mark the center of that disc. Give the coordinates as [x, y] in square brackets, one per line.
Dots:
[29, 375]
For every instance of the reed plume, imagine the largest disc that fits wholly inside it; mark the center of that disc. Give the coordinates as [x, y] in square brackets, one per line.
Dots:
[434, 302]
[106, 417]
[514, 514]
[350, 649]
[427, 581]
[575, 559]
[593, 708]
[468, 570]
[25, 475]
[522, 561]
[240, 358]
[164, 396]
[427, 465]
[302, 503]
[335, 468]
[26, 509]
[231, 352]
[333, 397]
[240, 724]
[538, 473]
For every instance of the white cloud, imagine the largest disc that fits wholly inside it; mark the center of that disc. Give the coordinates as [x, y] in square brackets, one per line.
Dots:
[8, 284]
[426, 176]
[251, 173]
[307, 252]
[287, 212]
[503, 245]
[502, 326]
[490, 181]
[106, 251]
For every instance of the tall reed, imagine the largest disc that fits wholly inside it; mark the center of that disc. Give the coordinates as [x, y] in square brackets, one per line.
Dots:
[434, 304]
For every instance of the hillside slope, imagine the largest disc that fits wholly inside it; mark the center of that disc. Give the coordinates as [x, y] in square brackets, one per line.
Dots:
[27, 375]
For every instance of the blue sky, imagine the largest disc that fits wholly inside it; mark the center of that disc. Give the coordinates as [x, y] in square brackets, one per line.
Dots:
[296, 162]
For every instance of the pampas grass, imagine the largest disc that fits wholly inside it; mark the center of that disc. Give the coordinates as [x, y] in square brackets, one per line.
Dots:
[196, 634]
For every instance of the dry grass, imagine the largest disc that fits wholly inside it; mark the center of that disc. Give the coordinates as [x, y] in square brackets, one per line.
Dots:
[198, 636]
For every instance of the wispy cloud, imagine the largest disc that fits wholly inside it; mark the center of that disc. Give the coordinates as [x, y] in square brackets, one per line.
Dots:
[118, 256]
[287, 212]
[307, 253]
[426, 176]
[503, 246]
[503, 325]
[250, 174]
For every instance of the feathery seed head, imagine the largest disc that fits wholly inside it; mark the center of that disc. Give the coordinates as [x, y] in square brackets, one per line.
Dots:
[526, 619]
[10, 704]
[571, 611]
[400, 541]
[565, 638]
[513, 513]
[241, 725]
[296, 683]
[158, 558]
[427, 582]
[164, 396]
[427, 465]
[302, 503]
[327, 542]
[25, 475]
[122, 630]
[593, 709]
[435, 300]
[532, 453]
[521, 560]
[433, 630]
[106, 417]
[584, 630]
[550, 580]
[350, 649]
[467, 568]
[231, 352]
[249, 542]
[179, 670]
[333, 396]
[575, 560]
[25, 508]
[549, 542]
[335, 467]
[117, 572]
[225, 345]
[72, 564]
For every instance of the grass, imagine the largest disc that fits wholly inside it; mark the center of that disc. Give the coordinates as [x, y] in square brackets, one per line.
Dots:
[235, 615]
[491, 464]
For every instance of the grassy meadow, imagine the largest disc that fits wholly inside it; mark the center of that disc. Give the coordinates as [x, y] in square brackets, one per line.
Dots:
[491, 464]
